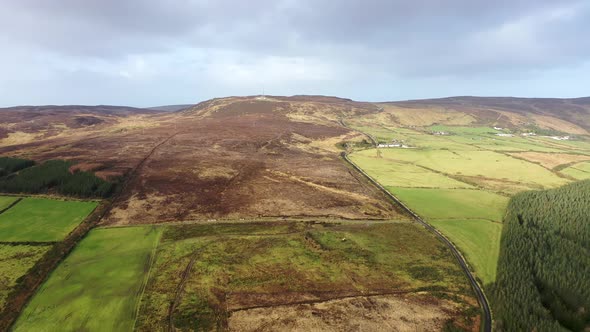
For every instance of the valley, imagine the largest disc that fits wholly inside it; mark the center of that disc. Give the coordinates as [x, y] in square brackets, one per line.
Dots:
[241, 214]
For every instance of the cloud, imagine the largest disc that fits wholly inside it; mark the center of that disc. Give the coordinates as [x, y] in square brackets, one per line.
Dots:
[214, 48]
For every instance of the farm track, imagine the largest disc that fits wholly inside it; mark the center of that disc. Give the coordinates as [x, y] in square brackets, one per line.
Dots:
[178, 296]
[481, 298]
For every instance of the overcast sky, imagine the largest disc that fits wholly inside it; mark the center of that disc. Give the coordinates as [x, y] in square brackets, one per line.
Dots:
[150, 52]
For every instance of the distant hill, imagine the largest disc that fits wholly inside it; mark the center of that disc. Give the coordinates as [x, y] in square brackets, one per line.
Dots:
[51, 120]
[565, 115]
[98, 109]
[170, 108]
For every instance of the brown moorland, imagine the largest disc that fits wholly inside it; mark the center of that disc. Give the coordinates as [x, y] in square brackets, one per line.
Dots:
[248, 157]
[226, 158]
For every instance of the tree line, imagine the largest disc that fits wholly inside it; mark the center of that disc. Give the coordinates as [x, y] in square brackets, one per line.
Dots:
[543, 279]
[22, 176]
[10, 165]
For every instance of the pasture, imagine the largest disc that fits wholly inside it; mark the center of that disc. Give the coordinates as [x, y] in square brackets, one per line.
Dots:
[479, 240]
[403, 174]
[580, 171]
[5, 201]
[459, 181]
[453, 203]
[459, 130]
[42, 220]
[491, 170]
[97, 287]
[204, 274]
[15, 261]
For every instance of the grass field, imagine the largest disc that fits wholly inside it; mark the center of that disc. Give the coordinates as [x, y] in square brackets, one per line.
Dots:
[401, 174]
[453, 203]
[42, 220]
[478, 167]
[232, 267]
[15, 261]
[451, 179]
[579, 171]
[435, 178]
[5, 201]
[465, 130]
[97, 287]
[479, 240]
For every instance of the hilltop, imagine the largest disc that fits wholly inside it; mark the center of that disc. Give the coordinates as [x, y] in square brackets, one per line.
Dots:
[251, 157]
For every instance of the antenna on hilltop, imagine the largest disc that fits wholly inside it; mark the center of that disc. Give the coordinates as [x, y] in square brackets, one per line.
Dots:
[262, 96]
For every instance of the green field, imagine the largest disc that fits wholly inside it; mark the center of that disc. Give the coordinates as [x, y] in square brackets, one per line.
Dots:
[465, 130]
[579, 171]
[479, 240]
[239, 266]
[5, 201]
[451, 180]
[42, 220]
[401, 174]
[97, 287]
[453, 203]
[488, 169]
[15, 261]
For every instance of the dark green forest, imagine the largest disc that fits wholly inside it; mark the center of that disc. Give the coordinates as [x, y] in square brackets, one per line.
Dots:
[543, 281]
[50, 176]
[11, 165]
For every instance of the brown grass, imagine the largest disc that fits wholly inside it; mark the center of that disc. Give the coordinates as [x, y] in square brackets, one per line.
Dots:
[362, 313]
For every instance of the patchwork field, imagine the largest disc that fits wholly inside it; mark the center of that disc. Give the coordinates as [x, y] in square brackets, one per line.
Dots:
[196, 180]
[42, 220]
[461, 178]
[488, 169]
[255, 276]
[15, 261]
[97, 287]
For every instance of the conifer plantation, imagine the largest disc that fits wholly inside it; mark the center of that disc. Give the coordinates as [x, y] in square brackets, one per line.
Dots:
[543, 281]
[20, 176]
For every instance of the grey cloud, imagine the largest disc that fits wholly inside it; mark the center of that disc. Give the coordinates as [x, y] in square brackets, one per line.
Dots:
[337, 42]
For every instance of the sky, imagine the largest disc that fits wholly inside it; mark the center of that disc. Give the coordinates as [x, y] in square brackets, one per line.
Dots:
[155, 52]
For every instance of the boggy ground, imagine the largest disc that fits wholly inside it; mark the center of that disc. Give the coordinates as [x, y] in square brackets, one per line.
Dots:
[263, 276]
